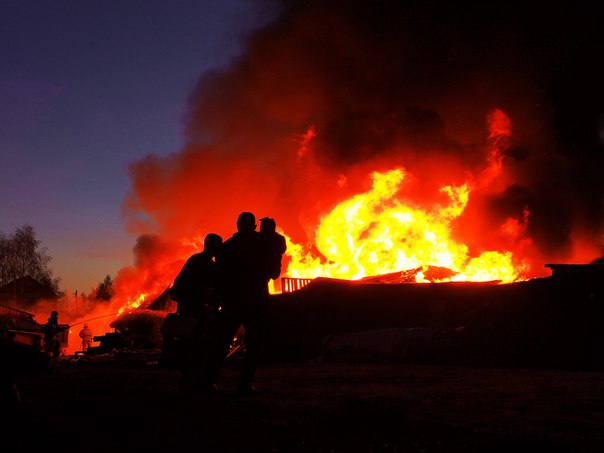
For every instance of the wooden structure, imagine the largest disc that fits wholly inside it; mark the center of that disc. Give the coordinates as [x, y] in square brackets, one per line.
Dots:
[290, 284]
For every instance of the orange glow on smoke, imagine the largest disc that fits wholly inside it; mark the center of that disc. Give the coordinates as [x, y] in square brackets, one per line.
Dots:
[305, 140]
[380, 231]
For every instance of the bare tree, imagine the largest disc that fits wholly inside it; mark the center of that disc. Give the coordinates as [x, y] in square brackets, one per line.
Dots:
[21, 255]
[4, 259]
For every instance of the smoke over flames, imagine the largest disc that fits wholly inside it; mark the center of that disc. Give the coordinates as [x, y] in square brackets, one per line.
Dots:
[468, 109]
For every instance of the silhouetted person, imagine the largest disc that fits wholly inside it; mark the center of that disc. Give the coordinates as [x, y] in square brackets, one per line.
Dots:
[194, 290]
[52, 329]
[86, 335]
[274, 246]
[243, 289]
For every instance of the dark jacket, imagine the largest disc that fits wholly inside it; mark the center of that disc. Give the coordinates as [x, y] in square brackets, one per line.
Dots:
[192, 285]
[241, 267]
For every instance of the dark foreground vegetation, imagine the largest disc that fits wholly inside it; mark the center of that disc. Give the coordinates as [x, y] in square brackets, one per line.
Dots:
[130, 403]
[355, 368]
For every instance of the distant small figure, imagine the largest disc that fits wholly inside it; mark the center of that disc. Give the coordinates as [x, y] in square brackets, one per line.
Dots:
[86, 336]
[52, 329]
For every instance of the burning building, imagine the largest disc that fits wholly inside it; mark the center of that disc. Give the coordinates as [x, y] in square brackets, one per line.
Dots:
[387, 137]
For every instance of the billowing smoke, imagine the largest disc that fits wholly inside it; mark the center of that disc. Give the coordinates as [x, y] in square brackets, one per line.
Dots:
[330, 91]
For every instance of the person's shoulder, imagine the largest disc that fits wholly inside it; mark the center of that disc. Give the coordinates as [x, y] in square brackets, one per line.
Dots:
[234, 239]
[194, 258]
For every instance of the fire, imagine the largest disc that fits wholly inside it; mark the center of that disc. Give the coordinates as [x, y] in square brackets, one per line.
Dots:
[380, 231]
[157, 265]
[133, 302]
[377, 232]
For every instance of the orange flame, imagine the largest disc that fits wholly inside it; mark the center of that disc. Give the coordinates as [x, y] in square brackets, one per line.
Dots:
[133, 302]
[500, 132]
[377, 233]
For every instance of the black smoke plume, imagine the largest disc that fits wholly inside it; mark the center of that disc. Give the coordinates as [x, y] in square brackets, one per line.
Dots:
[331, 90]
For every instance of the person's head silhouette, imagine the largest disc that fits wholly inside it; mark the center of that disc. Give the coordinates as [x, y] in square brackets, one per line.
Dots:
[212, 243]
[246, 222]
[267, 225]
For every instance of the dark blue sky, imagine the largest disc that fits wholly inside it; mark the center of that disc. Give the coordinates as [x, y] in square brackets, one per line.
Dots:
[85, 89]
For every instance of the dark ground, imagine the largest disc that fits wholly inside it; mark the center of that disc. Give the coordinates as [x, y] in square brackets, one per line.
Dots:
[119, 403]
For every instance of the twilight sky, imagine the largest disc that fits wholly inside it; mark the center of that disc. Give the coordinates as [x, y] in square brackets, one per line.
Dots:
[117, 115]
[85, 89]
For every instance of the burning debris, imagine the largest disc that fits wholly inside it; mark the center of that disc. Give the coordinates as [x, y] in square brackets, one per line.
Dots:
[141, 329]
[544, 322]
[429, 273]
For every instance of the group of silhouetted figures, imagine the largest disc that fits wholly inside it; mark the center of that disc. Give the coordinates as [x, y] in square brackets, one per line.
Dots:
[222, 290]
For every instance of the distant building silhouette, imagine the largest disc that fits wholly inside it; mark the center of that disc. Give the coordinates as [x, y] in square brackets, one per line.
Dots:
[24, 292]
